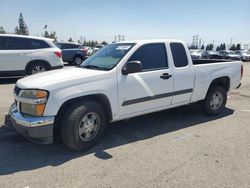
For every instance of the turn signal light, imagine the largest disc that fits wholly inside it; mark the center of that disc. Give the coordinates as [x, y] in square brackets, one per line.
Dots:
[40, 109]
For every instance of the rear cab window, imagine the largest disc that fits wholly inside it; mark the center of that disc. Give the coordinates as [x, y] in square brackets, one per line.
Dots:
[179, 54]
[152, 56]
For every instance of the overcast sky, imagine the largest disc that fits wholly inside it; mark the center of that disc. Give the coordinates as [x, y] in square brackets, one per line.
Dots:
[213, 20]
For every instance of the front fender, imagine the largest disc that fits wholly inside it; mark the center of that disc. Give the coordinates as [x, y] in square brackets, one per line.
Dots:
[105, 87]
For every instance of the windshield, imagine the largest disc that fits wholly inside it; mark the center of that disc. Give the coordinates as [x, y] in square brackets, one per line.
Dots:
[58, 45]
[107, 57]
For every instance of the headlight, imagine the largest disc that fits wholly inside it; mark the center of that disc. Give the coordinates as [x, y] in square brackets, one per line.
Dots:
[33, 102]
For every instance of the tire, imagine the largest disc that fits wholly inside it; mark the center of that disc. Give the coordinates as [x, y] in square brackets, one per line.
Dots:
[75, 133]
[215, 100]
[77, 60]
[38, 67]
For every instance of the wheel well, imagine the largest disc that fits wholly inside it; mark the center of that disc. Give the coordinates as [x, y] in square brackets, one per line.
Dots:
[222, 81]
[37, 61]
[99, 98]
[78, 55]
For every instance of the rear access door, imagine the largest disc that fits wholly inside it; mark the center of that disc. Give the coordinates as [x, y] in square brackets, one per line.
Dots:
[184, 74]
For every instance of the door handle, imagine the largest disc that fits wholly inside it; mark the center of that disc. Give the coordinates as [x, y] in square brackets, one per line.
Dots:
[165, 76]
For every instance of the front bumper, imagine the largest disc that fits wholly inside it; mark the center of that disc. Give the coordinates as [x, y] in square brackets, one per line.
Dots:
[36, 129]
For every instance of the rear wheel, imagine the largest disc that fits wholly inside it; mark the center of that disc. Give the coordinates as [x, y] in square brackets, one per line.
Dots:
[35, 68]
[77, 60]
[215, 100]
[83, 126]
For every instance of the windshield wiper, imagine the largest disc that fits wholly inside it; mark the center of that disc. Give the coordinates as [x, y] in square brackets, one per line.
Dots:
[90, 67]
[94, 67]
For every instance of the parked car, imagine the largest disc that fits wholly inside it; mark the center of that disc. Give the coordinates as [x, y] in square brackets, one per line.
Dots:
[78, 102]
[196, 54]
[89, 50]
[245, 55]
[211, 55]
[228, 54]
[98, 47]
[26, 55]
[72, 53]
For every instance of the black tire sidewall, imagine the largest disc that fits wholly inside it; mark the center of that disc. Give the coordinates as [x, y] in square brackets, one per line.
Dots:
[71, 125]
[32, 65]
[206, 103]
[75, 60]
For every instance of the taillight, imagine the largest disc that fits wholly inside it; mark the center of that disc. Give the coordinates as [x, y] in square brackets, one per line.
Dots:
[241, 72]
[58, 54]
[85, 50]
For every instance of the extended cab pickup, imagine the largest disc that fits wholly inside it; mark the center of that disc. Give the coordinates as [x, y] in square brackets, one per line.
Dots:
[120, 81]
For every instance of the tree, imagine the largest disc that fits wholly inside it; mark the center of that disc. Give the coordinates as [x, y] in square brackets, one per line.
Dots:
[46, 34]
[238, 47]
[233, 47]
[209, 47]
[193, 47]
[2, 31]
[22, 28]
[104, 42]
[202, 47]
[52, 35]
[92, 44]
[223, 47]
[70, 39]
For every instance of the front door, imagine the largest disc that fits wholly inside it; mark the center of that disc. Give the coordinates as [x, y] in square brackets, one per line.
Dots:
[150, 89]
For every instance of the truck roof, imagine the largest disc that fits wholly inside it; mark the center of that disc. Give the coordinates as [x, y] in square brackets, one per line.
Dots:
[26, 36]
[151, 41]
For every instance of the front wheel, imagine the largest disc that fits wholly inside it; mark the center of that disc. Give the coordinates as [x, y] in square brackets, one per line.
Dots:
[215, 101]
[83, 125]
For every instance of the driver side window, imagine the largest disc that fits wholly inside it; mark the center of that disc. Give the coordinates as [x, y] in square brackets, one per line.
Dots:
[152, 56]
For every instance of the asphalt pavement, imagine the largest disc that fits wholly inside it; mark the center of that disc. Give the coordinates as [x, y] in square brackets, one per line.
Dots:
[180, 147]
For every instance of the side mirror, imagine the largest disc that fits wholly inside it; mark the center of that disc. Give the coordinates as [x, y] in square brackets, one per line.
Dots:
[131, 67]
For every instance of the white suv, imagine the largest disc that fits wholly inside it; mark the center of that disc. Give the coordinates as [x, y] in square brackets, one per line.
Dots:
[25, 55]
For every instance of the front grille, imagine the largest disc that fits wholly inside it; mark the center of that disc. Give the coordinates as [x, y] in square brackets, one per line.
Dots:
[17, 90]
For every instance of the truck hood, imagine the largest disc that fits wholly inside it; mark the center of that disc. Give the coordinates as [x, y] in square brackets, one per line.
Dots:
[61, 77]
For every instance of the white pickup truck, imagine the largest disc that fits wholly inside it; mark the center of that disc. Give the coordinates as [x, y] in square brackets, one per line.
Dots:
[120, 81]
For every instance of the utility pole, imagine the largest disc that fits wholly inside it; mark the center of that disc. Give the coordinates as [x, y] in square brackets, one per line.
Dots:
[74, 35]
[195, 41]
